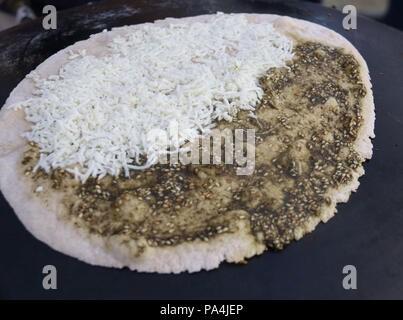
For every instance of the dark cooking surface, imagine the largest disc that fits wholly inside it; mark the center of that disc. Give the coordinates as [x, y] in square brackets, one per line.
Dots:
[367, 232]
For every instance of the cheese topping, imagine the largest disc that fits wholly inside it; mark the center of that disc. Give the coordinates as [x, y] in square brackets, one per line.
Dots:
[94, 117]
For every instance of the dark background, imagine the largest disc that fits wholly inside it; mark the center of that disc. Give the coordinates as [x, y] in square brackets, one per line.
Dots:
[367, 232]
[393, 17]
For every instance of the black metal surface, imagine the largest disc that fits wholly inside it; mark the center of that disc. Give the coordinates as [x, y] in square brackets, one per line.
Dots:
[367, 232]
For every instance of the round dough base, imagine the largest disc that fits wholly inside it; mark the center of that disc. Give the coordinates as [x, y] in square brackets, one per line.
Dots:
[39, 214]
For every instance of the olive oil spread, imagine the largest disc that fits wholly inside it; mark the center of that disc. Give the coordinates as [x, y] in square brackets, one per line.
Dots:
[306, 124]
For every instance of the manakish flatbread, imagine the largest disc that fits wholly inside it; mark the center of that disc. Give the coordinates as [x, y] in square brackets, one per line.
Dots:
[41, 212]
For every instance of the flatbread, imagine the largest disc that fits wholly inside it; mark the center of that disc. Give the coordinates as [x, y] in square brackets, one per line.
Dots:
[39, 212]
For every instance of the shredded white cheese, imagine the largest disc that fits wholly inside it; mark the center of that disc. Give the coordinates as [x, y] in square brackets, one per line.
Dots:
[93, 117]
